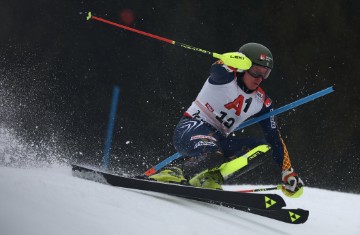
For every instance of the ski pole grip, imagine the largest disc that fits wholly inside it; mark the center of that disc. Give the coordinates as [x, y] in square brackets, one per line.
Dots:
[234, 59]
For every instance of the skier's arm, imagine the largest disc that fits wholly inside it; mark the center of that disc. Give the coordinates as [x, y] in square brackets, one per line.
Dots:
[273, 137]
[293, 183]
[221, 73]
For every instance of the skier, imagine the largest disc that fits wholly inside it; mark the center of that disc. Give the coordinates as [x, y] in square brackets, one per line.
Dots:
[229, 97]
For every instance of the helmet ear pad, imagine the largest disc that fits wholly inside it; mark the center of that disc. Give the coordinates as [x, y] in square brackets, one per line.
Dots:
[258, 54]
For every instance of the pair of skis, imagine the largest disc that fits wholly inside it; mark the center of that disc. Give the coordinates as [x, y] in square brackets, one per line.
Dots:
[267, 205]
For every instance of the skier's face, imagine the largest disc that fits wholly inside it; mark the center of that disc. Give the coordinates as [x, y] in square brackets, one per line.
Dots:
[254, 76]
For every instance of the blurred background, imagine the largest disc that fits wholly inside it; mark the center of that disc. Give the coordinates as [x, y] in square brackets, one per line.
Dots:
[57, 73]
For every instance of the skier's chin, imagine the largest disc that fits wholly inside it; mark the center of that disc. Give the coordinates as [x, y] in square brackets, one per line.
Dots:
[254, 86]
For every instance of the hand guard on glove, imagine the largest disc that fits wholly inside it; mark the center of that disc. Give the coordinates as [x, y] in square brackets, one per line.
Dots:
[236, 60]
[293, 184]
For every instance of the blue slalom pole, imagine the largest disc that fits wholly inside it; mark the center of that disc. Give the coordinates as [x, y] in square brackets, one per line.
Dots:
[110, 128]
[292, 105]
[286, 107]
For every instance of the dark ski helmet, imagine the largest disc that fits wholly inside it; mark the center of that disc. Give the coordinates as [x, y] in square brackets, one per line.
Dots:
[258, 54]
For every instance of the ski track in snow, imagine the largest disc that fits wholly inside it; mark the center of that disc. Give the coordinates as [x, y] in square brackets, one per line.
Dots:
[51, 201]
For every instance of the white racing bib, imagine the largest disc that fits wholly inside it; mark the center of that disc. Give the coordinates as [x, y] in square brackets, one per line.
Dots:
[226, 106]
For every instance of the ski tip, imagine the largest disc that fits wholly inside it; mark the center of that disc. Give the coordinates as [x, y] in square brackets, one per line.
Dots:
[298, 216]
[89, 15]
[149, 172]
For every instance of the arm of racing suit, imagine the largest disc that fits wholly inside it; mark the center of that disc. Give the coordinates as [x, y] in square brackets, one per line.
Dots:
[273, 137]
[221, 73]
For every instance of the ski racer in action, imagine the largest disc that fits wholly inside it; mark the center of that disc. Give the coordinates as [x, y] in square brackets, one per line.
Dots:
[203, 135]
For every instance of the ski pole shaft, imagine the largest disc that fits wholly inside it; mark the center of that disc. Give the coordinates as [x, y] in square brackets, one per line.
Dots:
[297, 103]
[233, 59]
[296, 194]
[278, 187]
[183, 45]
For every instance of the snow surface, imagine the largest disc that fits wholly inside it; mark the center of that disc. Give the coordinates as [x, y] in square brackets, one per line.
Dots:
[39, 201]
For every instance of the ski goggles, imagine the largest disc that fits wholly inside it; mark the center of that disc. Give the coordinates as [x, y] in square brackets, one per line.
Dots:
[256, 72]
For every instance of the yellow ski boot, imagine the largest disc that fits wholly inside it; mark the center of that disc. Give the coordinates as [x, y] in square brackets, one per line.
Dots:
[170, 175]
[209, 180]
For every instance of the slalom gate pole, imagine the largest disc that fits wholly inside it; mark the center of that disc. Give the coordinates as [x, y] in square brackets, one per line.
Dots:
[286, 107]
[242, 62]
[110, 128]
[292, 105]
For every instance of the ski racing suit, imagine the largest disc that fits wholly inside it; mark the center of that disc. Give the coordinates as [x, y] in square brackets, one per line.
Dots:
[224, 102]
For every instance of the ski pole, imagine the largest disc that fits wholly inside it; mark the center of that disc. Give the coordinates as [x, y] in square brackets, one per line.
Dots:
[296, 194]
[278, 187]
[292, 105]
[232, 59]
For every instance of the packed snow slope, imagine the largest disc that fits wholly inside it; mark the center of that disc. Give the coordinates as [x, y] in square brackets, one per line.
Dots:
[51, 201]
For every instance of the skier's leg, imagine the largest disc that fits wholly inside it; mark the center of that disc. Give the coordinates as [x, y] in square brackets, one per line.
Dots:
[243, 155]
[198, 142]
[201, 171]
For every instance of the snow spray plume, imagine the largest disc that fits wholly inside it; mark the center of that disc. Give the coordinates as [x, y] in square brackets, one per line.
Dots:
[27, 136]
